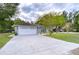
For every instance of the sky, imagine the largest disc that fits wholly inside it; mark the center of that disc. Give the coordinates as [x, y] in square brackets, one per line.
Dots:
[31, 11]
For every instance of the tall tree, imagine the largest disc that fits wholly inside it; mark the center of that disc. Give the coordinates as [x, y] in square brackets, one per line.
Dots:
[76, 21]
[65, 14]
[7, 10]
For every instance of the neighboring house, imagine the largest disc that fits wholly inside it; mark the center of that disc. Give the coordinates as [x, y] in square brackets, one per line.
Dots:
[29, 29]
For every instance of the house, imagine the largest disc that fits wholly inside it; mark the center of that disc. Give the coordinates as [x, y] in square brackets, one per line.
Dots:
[29, 29]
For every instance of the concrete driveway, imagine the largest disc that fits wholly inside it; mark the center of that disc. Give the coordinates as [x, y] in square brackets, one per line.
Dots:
[37, 45]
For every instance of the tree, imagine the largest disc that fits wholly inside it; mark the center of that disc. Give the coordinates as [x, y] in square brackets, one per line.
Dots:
[51, 20]
[7, 25]
[70, 20]
[7, 10]
[18, 21]
[68, 24]
[76, 21]
[45, 20]
[65, 14]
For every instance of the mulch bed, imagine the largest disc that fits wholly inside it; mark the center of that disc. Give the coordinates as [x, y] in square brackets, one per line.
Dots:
[75, 51]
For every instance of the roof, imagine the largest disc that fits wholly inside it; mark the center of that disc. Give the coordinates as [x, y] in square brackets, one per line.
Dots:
[28, 25]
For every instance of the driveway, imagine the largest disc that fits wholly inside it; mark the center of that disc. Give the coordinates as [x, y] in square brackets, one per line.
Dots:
[37, 45]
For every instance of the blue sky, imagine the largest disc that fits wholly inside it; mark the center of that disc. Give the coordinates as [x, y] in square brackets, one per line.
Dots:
[31, 11]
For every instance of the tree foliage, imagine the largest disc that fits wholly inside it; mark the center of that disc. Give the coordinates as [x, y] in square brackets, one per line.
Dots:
[65, 14]
[7, 10]
[18, 21]
[76, 21]
[51, 19]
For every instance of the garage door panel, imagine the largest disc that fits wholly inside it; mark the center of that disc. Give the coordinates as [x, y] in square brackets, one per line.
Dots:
[27, 27]
[27, 31]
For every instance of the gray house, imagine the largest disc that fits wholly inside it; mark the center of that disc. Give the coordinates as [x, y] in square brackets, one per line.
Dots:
[29, 29]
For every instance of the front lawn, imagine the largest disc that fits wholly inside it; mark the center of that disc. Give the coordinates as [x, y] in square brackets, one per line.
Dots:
[4, 38]
[69, 37]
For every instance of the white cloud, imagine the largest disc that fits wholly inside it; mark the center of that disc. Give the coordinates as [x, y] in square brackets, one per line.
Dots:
[29, 11]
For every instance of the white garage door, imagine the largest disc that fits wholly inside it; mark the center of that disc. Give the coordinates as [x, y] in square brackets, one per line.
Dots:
[27, 30]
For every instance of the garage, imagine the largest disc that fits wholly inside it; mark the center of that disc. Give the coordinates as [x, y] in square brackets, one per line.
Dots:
[26, 30]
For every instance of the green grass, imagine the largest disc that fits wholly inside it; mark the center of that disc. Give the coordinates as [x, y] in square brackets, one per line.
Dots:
[4, 38]
[74, 38]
